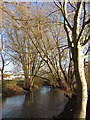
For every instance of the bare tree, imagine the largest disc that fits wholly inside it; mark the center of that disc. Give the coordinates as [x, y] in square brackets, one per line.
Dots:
[35, 40]
[2, 59]
[77, 38]
[18, 45]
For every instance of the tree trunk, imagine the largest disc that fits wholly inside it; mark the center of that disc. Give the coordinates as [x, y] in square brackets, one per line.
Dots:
[26, 75]
[81, 103]
[2, 70]
[27, 83]
[31, 76]
[2, 75]
[31, 83]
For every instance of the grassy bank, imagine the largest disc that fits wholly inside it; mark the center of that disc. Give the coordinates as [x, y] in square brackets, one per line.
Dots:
[10, 88]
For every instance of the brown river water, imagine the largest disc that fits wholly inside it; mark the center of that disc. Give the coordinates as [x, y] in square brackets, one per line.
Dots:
[40, 103]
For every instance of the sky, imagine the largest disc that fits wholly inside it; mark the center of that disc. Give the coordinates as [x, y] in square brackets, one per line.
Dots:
[7, 67]
[28, 0]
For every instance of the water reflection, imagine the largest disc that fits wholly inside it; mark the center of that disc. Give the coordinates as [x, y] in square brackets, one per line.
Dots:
[41, 103]
[44, 90]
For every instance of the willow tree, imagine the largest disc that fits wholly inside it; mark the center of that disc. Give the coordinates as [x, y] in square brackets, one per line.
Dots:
[77, 37]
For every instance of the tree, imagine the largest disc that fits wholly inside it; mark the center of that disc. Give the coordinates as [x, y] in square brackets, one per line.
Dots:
[2, 59]
[62, 52]
[52, 49]
[35, 42]
[18, 45]
[77, 37]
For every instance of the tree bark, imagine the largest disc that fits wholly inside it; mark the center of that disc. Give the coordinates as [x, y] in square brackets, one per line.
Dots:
[2, 70]
[27, 85]
[31, 82]
[81, 103]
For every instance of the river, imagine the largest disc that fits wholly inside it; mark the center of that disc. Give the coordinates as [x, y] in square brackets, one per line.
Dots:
[40, 103]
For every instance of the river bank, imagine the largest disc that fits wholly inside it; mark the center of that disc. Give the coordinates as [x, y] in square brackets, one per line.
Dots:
[10, 88]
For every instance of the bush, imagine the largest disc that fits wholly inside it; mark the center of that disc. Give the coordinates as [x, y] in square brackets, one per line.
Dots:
[4, 87]
[20, 83]
[10, 88]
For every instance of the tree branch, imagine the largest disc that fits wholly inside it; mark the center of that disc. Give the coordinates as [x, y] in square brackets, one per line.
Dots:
[63, 13]
[83, 26]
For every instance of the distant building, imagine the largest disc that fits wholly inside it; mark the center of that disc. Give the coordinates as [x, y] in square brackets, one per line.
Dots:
[8, 77]
[12, 77]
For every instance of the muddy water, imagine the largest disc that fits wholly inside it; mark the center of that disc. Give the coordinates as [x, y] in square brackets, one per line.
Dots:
[42, 103]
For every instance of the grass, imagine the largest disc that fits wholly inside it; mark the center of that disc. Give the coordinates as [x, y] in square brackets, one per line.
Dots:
[10, 88]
